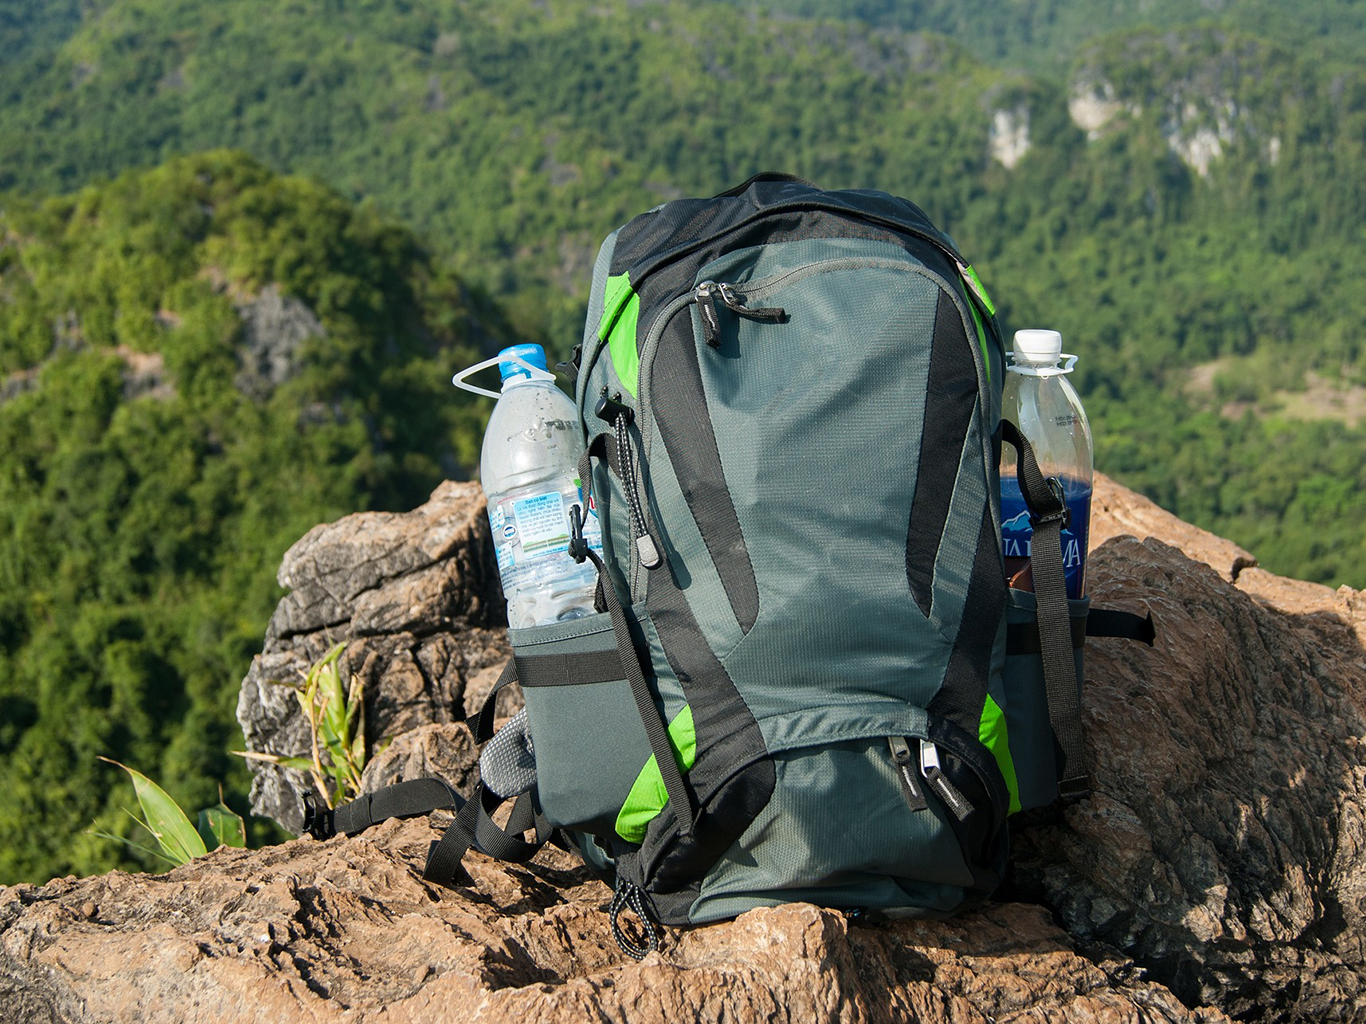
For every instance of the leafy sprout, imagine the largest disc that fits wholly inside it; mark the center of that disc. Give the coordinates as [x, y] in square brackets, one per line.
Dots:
[178, 841]
[336, 722]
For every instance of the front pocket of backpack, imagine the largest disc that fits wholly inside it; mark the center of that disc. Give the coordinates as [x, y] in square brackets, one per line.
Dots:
[841, 830]
[974, 800]
[586, 733]
[1024, 697]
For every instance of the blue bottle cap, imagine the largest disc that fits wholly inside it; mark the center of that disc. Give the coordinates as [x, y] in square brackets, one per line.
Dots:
[533, 354]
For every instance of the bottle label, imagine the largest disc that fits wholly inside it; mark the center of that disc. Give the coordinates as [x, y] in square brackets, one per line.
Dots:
[1017, 534]
[542, 524]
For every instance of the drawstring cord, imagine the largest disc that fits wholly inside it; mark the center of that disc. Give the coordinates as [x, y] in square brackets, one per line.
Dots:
[631, 896]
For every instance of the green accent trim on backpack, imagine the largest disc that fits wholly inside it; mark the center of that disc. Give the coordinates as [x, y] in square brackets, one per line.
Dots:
[620, 314]
[992, 733]
[648, 796]
[980, 289]
[977, 322]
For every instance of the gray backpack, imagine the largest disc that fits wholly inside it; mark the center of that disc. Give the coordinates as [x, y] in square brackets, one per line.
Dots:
[807, 679]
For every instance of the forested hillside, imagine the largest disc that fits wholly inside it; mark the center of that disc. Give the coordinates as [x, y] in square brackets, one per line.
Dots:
[200, 363]
[35, 26]
[1047, 35]
[1186, 205]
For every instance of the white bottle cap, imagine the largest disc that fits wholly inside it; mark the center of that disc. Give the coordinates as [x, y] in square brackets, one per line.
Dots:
[1038, 354]
[1038, 348]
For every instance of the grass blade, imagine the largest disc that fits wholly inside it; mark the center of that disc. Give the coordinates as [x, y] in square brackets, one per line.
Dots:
[164, 819]
[221, 826]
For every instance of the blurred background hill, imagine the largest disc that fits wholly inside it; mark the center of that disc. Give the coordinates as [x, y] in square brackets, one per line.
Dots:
[244, 245]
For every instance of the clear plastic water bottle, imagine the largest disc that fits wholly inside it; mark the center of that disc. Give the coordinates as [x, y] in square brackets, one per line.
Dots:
[1038, 399]
[529, 472]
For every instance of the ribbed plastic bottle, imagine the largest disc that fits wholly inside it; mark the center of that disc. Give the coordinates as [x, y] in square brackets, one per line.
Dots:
[1040, 401]
[529, 471]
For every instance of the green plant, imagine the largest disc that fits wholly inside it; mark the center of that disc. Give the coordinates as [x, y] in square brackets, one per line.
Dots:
[178, 841]
[336, 724]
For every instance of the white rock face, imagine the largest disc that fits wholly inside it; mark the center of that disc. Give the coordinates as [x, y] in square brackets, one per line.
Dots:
[1194, 140]
[1198, 130]
[1009, 136]
[1092, 106]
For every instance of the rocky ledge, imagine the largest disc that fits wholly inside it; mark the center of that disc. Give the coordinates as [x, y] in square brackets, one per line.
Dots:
[1216, 873]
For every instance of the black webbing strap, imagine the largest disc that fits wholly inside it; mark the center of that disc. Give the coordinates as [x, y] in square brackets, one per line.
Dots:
[474, 826]
[569, 669]
[483, 722]
[402, 800]
[1112, 622]
[685, 809]
[1048, 514]
[1023, 637]
[762, 176]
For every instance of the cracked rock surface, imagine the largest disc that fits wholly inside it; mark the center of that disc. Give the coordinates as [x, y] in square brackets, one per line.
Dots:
[1217, 869]
[416, 598]
[347, 931]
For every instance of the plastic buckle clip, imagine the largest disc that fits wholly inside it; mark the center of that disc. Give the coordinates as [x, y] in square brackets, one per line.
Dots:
[1062, 515]
[578, 547]
[318, 822]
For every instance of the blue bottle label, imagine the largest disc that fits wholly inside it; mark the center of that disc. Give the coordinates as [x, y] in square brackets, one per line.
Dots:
[1017, 535]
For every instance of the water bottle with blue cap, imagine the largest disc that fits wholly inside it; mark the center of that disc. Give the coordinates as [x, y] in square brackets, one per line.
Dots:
[1038, 399]
[529, 472]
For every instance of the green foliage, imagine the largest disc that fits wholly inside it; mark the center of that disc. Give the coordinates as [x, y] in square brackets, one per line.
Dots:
[220, 825]
[336, 724]
[154, 473]
[154, 476]
[178, 842]
[1045, 35]
[35, 27]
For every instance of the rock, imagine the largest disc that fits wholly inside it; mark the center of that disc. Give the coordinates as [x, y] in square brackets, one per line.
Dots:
[1224, 847]
[1218, 862]
[274, 328]
[415, 597]
[347, 931]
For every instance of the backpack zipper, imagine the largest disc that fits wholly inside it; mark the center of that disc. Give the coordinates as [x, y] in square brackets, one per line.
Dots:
[706, 295]
[939, 782]
[619, 416]
[905, 767]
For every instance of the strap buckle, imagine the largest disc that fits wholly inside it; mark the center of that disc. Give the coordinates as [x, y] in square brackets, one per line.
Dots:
[319, 822]
[1064, 513]
[578, 547]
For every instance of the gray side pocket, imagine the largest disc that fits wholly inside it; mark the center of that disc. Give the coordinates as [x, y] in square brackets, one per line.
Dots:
[586, 736]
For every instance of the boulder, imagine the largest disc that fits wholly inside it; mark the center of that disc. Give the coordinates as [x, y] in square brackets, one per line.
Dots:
[1224, 846]
[1217, 869]
[415, 596]
[346, 930]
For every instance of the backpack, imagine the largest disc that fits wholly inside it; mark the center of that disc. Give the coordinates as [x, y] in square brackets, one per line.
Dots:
[807, 679]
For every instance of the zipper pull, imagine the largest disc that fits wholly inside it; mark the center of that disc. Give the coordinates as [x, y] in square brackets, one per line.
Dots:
[706, 306]
[610, 409]
[939, 782]
[905, 764]
[707, 294]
